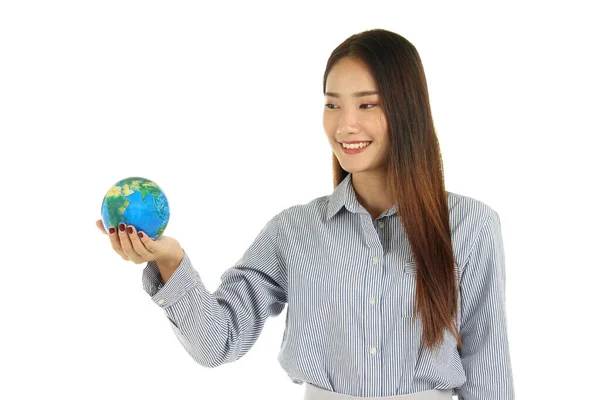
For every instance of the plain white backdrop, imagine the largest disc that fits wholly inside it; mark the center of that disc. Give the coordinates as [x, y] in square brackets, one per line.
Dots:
[221, 103]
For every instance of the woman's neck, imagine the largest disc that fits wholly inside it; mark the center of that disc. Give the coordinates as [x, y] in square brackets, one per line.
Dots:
[371, 192]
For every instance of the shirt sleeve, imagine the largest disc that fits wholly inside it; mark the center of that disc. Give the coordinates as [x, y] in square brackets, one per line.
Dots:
[485, 353]
[220, 327]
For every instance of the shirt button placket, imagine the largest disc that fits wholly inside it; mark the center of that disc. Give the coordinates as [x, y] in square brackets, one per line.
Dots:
[373, 350]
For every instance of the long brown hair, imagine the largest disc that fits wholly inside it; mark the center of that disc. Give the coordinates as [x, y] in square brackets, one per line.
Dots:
[415, 174]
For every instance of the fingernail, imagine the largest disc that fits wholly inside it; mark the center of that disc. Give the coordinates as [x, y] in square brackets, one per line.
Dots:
[130, 230]
[121, 227]
[140, 235]
[111, 230]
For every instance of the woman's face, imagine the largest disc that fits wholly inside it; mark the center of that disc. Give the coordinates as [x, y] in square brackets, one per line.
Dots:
[350, 117]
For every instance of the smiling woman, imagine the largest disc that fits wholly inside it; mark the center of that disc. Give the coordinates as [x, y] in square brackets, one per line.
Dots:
[376, 97]
[394, 286]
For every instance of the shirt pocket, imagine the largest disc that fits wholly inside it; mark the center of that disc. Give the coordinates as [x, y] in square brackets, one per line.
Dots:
[409, 283]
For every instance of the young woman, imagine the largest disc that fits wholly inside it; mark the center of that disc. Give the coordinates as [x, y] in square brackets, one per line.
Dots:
[395, 287]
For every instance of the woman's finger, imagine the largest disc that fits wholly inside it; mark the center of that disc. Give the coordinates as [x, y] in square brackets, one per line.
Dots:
[127, 246]
[100, 226]
[115, 242]
[148, 243]
[138, 245]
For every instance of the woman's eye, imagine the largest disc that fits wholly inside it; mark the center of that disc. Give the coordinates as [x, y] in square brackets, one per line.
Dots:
[331, 106]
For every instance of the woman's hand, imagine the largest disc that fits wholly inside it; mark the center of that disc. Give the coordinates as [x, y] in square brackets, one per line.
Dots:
[164, 250]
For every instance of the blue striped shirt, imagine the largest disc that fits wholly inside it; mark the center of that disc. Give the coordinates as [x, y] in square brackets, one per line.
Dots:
[349, 283]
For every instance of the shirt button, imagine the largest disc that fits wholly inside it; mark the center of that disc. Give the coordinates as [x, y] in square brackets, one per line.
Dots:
[381, 224]
[373, 351]
[160, 302]
[372, 300]
[375, 260]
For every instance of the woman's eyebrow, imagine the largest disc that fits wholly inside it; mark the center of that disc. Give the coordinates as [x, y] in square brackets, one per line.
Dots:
[357, 94]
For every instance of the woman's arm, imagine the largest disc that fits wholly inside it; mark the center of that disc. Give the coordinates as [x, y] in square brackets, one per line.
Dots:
[220, 327]
[485, 353]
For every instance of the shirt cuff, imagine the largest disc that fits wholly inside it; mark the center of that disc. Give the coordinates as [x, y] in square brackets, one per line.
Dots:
[183, 279]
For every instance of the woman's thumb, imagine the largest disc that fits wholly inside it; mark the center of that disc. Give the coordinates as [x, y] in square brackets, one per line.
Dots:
[100, 226]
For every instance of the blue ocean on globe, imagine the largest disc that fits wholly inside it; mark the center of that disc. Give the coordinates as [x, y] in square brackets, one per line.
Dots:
[139, 202]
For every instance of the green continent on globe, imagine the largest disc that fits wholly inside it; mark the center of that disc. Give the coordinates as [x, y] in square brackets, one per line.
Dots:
[116, 204]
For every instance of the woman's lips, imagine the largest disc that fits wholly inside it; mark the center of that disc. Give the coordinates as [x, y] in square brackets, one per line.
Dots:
[354, 151]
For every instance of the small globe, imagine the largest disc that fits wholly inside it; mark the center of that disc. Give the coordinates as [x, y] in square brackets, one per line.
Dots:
[139, 202]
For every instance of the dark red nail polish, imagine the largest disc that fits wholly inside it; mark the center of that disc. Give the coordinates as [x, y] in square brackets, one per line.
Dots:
[130, 230]
[140, 235]
[121, 227]
[111, 230]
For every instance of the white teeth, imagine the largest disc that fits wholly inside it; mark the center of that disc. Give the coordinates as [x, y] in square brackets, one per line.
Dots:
[355, 145]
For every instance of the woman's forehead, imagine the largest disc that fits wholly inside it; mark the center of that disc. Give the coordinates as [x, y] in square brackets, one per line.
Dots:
[350, 78]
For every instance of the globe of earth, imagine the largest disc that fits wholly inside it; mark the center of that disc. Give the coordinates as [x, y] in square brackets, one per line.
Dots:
[139, 202]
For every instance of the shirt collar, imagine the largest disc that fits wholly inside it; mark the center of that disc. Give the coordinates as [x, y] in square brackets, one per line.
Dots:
[344, 195]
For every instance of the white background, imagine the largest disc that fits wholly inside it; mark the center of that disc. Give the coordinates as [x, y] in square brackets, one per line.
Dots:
[221, 103]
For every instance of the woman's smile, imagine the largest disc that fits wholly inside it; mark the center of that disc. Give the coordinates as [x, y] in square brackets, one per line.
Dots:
[354, 151]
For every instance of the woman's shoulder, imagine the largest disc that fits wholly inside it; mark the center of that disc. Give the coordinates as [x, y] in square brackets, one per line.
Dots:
[468, 215]
[304, 214]
[310, 208]
[462, 206]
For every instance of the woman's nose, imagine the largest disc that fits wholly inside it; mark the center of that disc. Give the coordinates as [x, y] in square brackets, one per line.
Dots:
[348, 121]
